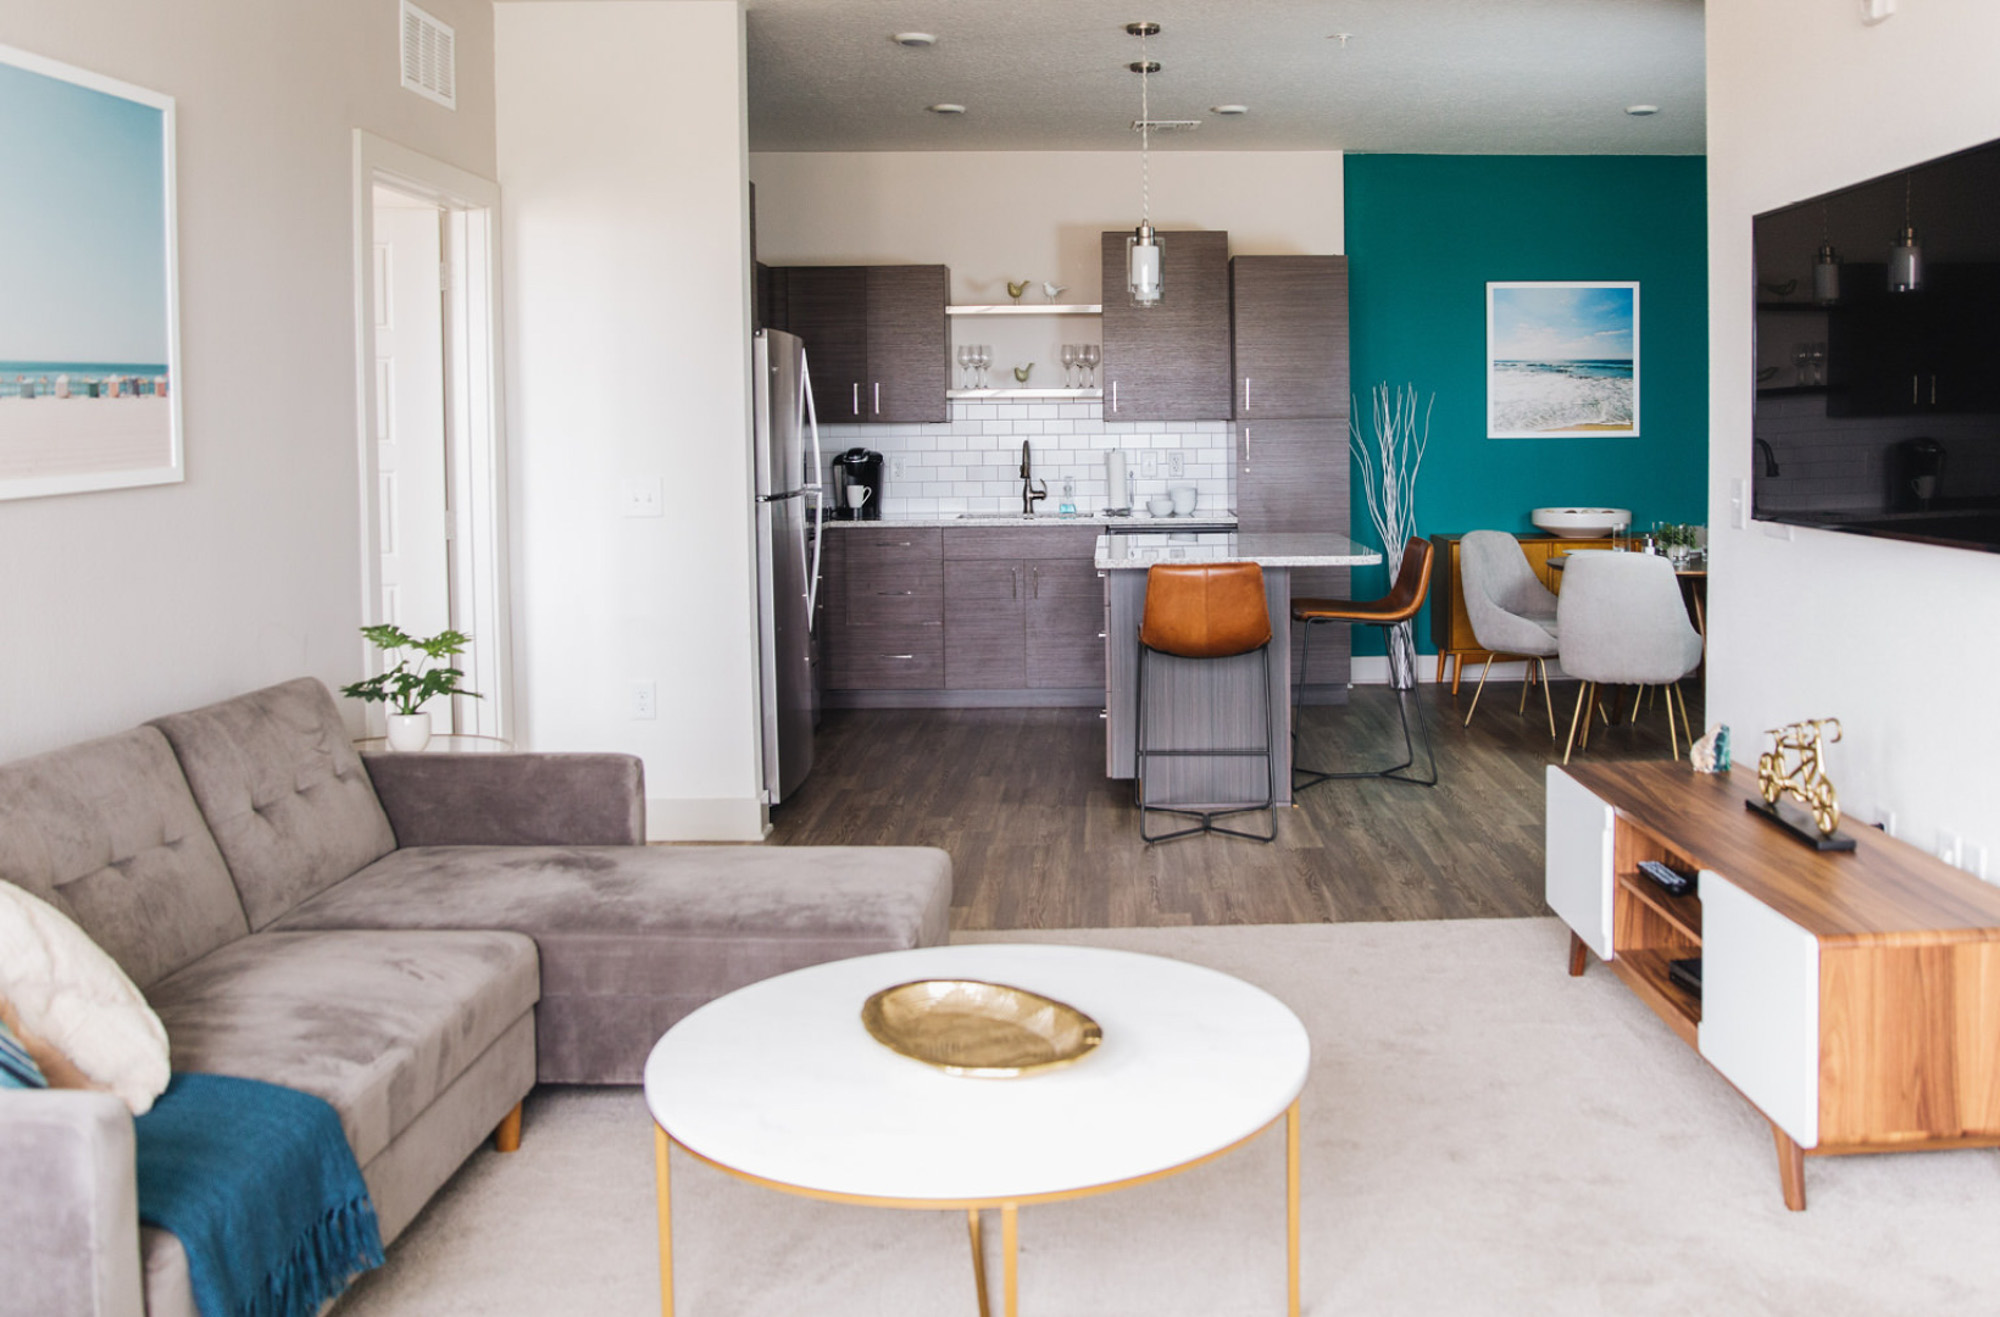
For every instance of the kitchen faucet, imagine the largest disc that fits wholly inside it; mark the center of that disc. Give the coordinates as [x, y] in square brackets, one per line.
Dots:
[1029, 494]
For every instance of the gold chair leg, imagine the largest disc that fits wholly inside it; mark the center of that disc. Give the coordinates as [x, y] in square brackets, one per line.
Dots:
[1482, 687]
[1671, 742]
[1686, 726]
[1582, 693]
[1548, 700]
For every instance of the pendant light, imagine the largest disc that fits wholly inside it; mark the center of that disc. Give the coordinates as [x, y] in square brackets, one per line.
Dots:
[1906, 253]
[1826, 269]
[1144, 277]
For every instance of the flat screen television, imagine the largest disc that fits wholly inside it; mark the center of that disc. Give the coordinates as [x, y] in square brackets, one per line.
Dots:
[1878, 356]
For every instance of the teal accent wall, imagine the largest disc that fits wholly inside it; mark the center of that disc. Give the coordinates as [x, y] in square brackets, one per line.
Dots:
[1424, 236]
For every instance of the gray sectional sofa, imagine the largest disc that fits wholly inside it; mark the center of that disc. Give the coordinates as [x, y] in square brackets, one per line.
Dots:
[418, 939]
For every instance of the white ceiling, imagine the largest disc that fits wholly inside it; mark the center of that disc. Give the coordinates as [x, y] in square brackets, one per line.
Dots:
[1443, 76]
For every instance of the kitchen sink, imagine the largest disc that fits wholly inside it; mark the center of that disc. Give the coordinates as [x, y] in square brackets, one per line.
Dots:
[999, 516]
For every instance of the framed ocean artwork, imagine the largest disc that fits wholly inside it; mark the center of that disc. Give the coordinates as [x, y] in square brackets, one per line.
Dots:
[1562, 359]
[89, 350]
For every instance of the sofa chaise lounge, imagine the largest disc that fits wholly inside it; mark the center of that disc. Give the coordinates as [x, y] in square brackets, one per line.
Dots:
[417, 939]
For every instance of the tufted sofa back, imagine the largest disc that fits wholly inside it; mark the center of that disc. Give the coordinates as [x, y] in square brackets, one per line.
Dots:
[107, 833]
[283, 790]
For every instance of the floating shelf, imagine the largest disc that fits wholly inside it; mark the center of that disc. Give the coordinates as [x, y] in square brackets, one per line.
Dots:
[1026, 309]
[990, 395]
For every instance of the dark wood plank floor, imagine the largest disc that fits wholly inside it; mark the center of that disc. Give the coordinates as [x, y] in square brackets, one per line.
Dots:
[1040, 838]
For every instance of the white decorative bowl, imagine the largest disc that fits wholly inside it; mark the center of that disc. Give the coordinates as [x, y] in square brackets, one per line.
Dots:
[1581, 522]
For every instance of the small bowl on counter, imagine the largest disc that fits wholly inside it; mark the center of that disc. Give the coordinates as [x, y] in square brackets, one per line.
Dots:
[1581, 523]
[1160, 505]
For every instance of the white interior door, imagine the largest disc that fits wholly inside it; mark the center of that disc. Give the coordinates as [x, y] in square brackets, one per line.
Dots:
[413, 475]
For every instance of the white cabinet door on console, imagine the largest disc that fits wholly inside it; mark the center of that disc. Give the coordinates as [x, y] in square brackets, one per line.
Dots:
[1760, 1006]
[1577, 877]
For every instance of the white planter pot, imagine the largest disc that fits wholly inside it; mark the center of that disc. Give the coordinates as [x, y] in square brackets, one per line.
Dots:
[409, 731]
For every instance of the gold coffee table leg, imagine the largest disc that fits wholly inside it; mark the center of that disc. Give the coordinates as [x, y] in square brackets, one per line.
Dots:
[1010, 1274]
[978, 1261]
[1292, 1205]
[662, 1146]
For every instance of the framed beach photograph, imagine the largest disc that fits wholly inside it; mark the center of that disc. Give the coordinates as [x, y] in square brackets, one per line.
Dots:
[89, 353]
[1562, 359]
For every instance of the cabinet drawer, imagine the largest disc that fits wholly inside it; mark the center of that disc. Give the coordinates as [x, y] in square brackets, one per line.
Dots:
[894, 593]
[887, 658]
[894, 542]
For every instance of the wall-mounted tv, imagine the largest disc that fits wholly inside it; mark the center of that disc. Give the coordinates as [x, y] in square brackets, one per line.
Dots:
[1878, 356]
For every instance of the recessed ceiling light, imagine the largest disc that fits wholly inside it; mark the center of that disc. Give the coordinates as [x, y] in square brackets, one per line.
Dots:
[1641, 111]
[1229, 109]
[914, 40]
[945, 107]
[1342, 37]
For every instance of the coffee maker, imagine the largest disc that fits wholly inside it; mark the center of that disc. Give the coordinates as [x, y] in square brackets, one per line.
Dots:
[857, 468]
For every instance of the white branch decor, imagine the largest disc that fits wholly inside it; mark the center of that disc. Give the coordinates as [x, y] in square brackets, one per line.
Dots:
[1389, 464]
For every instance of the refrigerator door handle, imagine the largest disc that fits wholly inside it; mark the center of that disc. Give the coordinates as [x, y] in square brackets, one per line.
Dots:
[812, 487]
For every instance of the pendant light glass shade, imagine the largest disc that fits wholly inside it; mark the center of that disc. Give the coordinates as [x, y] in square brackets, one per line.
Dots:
[1826, 275]
[1142, 266]
[1906, 262]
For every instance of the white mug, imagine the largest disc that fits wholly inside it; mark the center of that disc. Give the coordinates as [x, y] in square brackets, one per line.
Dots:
[857, 495]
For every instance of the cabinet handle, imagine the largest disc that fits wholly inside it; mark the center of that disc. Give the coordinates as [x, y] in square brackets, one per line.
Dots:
[1933, 390]
[1014, 576]
[1246, 393]
[857, 397]
[1034, 583]
[1104, 714]
[1246, 448]
[1913, 390]
[1114, 395]
[1100, 635]
[895, 593]
[899, 656]
[878, 397]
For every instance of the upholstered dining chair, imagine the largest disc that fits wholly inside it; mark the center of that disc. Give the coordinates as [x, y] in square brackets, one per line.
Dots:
[1622, 622]
[1513, 614]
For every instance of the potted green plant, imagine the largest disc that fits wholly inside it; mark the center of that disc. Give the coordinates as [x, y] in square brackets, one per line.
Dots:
[420, 671]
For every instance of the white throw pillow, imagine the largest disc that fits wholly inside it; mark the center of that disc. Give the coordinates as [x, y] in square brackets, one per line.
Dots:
[66, 990]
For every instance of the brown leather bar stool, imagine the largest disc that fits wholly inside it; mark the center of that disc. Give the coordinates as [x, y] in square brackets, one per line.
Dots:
[1205, 612]
[1413, 583]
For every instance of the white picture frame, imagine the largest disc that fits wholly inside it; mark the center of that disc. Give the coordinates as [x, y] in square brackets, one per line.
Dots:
[90, 378]
[1562, 359]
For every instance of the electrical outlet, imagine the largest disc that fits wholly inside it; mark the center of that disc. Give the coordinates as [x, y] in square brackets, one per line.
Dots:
[1885, 819]
[1974, 862]
[895, 468]
[1948, 846]
[645, 700]
[1149, 465]
[640, 498]
[1739, 504]
[1176, 464]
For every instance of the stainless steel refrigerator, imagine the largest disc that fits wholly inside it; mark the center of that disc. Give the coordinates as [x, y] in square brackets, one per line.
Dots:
[790, 516]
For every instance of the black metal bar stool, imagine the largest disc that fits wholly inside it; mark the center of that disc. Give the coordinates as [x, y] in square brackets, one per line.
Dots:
[1205, 611]
[1413, 583]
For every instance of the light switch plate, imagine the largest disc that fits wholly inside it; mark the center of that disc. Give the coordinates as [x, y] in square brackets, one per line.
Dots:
[1739, 504]
[1877, 11]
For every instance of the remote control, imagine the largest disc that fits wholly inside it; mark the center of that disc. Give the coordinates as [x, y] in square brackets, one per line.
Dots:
[1677, 883]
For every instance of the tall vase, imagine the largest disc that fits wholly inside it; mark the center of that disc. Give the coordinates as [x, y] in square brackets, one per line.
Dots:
[1403, 657]
[409, 732]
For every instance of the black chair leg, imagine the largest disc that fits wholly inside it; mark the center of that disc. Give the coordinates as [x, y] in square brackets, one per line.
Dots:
[1207, 817]
[1394, 773]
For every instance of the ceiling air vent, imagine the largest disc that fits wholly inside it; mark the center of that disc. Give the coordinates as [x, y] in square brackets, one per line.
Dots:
[429, 57]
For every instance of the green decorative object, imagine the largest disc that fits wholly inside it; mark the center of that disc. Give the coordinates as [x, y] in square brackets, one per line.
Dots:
[419, 674]
[1021, 373]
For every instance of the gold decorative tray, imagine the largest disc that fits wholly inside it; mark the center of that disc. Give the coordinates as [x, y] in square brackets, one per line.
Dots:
[984, 1030]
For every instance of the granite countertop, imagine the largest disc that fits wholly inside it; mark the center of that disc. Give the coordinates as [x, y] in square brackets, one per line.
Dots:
[1266, 549]
[1137, 523]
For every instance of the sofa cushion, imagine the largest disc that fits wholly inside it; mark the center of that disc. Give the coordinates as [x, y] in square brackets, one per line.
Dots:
[634, 937]
[283, 791]
[377, 1023]
[107, 833]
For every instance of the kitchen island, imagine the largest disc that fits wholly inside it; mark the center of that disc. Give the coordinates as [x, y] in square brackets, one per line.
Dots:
[1215, 702]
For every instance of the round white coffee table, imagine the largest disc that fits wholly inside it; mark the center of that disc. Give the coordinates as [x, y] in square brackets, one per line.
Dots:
[779, 1084]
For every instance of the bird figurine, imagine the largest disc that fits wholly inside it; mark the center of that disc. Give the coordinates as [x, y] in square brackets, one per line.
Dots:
[1053, 291]
[1021, 373]
[1014, 290]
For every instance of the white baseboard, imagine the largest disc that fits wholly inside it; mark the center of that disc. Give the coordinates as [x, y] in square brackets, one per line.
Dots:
[741, 819]
[1373, 670]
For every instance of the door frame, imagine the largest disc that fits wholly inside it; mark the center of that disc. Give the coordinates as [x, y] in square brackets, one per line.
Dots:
[476, 438]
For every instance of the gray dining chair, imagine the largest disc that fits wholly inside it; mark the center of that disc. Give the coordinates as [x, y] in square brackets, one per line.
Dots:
[1513, 614]
[1622, 622]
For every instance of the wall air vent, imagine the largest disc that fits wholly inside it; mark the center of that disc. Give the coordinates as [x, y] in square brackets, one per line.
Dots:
[1166, 125]
[429, 57]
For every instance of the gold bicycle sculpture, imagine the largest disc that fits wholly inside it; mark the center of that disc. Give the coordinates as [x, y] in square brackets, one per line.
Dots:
[1793, 766]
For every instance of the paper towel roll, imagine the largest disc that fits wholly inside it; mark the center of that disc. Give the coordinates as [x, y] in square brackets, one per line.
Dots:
[1114, 475]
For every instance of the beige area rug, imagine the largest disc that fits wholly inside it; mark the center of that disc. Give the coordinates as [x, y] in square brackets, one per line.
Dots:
[1483, 1134]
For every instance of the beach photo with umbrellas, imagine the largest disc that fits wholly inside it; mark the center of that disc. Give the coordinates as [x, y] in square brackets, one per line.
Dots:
[1562, 359]
[89, 387]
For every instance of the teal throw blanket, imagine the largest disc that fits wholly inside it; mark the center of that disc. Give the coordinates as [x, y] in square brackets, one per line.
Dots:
[260, 1187]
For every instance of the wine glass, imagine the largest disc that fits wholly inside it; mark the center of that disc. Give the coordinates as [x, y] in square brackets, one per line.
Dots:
[965, 365]
[1092, 354]
[1069, 365]
[982, 357]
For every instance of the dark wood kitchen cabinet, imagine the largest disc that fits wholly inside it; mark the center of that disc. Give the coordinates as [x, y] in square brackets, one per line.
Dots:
[884, 627]
[1168, 362]
[1292, 476]
[876, 338]
[1024, 609]
[1288, 318]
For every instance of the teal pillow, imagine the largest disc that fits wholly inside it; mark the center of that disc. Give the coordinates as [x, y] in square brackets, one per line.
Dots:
[17, 1068]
